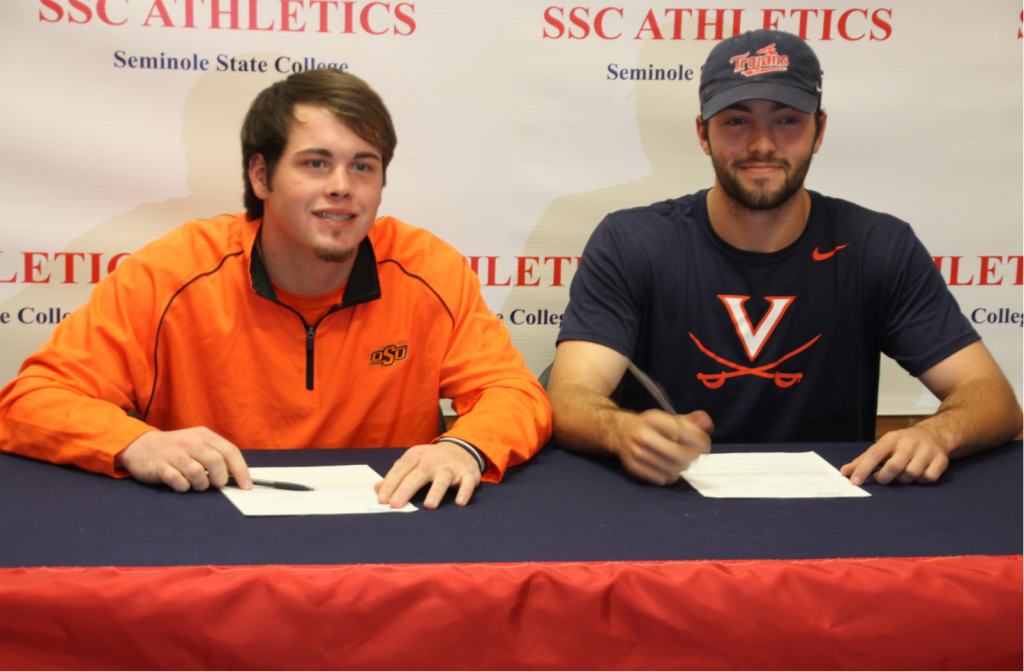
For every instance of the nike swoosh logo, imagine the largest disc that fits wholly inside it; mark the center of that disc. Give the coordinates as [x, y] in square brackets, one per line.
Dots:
[818, 256]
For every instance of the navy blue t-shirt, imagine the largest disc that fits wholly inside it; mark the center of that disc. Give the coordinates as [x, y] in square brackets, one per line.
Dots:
[775, 347]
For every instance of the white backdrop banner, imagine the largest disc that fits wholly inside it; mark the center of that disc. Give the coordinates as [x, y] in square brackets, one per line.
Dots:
[520, 124]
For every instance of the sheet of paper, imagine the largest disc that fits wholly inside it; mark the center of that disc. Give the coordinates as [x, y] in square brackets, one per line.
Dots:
[768, 475]
[339, 489]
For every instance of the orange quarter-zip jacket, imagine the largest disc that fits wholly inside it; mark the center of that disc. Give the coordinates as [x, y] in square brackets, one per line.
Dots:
[189, 332]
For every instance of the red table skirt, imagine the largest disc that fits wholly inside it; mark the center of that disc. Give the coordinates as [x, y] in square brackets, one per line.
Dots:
[909, 613]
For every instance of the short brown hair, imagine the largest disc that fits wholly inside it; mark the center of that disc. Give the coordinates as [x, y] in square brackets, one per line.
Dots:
[269, 120]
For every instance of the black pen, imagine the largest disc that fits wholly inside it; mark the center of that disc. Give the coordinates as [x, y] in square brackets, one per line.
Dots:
[280, 485]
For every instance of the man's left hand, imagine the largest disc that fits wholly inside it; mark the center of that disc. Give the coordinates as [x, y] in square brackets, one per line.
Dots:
[445, 464]
[909, 455]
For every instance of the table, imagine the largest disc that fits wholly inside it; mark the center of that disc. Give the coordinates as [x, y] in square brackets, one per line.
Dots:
[568, 563]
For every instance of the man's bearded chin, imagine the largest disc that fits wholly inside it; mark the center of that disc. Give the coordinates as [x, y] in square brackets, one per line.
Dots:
[333, 255]
[761, 198]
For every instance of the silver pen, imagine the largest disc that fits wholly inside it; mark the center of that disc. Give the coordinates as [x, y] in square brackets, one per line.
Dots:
[652, 387]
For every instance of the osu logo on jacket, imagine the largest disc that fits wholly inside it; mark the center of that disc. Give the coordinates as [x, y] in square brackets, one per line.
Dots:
[388, 355]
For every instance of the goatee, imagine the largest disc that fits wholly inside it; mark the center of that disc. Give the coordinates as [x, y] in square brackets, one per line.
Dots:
[331, 255]
[761, 197]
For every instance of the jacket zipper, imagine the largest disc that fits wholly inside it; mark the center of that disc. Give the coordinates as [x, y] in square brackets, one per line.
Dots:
[310, 334]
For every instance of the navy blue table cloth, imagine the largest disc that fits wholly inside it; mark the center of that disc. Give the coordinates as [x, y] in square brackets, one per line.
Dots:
[559, 507]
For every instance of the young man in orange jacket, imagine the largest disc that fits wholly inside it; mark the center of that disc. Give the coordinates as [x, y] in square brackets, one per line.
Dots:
[305, 322]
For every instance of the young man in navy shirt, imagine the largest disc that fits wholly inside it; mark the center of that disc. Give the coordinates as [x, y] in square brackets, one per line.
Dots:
[766, 305]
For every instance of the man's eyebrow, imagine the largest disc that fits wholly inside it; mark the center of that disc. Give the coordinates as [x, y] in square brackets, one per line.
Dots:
[320, 151]
[316, 150]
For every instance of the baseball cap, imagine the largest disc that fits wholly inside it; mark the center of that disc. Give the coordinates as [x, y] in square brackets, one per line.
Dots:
[764, 65]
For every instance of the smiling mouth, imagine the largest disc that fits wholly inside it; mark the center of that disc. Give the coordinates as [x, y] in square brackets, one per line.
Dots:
[332, 217]
[755, 164]
[761, 172]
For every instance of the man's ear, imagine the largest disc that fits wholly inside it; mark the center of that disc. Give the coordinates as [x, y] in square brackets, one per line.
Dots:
[258, 176]
[702, 135]
[821, 133]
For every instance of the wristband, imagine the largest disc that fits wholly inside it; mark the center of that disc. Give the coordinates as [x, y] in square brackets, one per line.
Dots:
[481, 461]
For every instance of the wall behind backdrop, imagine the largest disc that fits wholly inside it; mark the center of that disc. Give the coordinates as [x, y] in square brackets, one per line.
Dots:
[520, 125]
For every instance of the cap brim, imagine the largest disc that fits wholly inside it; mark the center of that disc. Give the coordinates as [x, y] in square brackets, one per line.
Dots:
[798, 99]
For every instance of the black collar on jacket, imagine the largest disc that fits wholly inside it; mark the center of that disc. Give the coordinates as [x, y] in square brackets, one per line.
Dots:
[363, 283]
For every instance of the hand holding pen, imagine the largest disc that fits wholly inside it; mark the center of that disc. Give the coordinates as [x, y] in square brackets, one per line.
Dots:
[657, 445]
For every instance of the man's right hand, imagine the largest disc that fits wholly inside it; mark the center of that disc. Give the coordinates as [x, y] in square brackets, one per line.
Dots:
[652, 445]
[184, 458]
[656, 446]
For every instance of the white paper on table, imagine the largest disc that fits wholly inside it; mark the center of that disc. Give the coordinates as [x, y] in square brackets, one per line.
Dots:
[339, 489]
[768, 475]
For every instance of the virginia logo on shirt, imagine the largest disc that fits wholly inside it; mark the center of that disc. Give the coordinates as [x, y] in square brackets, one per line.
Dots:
[754, 340]
[388, 355]
[767, 60]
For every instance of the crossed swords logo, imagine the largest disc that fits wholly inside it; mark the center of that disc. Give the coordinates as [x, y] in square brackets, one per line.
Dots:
[753, 340]
[716, 380]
